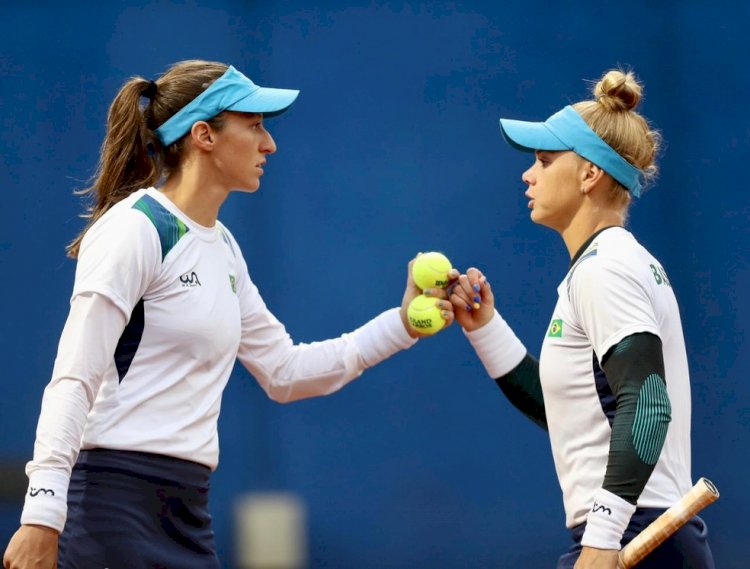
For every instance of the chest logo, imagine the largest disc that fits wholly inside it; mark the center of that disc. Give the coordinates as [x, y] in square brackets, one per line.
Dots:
[190, 279]
[555, 329]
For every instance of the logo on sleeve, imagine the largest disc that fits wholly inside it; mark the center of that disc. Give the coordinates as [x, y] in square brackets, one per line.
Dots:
[34, 492]
[190, 279]
[555, 328]
[233, 283]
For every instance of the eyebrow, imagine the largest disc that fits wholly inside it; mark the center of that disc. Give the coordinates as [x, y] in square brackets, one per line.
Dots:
[548, 153]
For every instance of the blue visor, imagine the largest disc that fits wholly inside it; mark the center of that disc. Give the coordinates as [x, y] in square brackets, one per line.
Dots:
[566, 130]
[230, 92]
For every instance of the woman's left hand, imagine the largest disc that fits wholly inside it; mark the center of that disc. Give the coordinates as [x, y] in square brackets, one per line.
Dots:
[592, 558]
[440, 295]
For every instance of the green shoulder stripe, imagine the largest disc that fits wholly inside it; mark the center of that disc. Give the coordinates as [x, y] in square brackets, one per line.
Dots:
[169, 227]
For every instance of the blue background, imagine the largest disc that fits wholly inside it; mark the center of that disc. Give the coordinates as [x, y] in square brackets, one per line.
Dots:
[392, 148]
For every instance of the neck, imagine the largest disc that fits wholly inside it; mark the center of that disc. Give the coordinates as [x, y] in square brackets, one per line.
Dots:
[195, 194]
[579, 230]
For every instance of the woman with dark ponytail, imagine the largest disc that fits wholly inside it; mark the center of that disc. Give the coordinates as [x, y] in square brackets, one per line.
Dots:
[611, 385]
[132, 157]
[162, 306]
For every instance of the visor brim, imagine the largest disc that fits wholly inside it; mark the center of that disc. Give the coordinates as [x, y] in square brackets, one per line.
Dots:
[530, 136]
[266, 100]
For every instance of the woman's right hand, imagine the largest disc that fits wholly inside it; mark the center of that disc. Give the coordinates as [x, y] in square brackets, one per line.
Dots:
[440, 295]
[32, 547]
[470, 290]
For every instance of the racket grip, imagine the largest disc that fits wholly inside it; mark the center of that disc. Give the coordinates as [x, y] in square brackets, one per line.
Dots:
[701, 495]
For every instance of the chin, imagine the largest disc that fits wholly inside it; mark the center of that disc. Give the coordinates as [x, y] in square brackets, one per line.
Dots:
[248, 189]
[540, 219]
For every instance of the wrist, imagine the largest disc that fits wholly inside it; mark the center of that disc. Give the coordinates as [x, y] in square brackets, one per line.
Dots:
[43, 529]
[382, 337]
[478, 322]
[46, 500]
[497, 346]
[606, 521]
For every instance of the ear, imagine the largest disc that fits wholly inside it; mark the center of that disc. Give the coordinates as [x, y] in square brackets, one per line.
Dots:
[591, 175]
[202, 136]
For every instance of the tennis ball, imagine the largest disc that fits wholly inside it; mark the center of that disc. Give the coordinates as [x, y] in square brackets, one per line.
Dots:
[424, 316]
[430, 270]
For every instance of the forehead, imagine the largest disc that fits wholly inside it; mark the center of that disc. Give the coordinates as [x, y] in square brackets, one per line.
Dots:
[235, 115]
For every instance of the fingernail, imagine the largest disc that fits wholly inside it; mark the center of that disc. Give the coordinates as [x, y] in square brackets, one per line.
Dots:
[445, 314]
[468, 308]
[477, 299]
[476, 287]
[476, 306]
[427, 292]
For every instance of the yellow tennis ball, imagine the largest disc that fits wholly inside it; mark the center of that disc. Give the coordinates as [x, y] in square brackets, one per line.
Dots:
[424, 316]
[430, 270]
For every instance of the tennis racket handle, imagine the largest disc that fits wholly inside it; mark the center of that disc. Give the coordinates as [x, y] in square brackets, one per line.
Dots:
[701, 495]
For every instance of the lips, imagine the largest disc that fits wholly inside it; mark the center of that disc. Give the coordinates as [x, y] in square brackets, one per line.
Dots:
[531, 199]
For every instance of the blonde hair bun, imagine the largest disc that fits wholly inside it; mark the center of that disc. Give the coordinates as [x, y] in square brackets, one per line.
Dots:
[618, 90]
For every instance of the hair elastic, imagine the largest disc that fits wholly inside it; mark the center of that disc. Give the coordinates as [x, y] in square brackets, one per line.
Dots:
[150, 91]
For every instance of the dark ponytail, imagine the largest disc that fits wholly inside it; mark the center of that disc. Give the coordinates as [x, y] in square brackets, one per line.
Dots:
[131, 156]
[125, 164]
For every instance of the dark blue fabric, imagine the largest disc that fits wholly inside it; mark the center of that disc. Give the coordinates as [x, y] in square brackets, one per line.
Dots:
[686, 549]
[130, 339]
[606, 398]
[131, 510]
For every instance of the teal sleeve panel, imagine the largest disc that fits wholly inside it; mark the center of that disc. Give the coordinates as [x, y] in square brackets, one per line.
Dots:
[524, 390]
[635, 373]
[170, 228]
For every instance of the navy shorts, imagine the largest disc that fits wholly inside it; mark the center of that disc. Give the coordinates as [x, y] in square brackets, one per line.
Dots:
[134, 510]
[686, 549]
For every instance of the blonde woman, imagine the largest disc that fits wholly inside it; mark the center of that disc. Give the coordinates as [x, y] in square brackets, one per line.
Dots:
[162, 306]
[611, 385]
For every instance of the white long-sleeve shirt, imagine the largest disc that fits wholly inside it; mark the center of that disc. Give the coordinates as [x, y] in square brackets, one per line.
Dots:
[615, 288]
[161, 308]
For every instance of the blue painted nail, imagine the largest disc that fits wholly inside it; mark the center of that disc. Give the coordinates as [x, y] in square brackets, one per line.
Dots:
[476, 288]
[468, 308]
[477, 299]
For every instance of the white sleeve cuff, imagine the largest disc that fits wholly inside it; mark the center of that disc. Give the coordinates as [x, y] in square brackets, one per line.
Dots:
[497, 346]
[46, 501]
[606, 521]
[382, 337]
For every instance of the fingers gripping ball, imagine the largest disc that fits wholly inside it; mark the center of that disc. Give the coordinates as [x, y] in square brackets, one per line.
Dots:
[430, 270]
[424, 315]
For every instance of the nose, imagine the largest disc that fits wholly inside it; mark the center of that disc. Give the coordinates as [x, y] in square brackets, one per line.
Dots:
[268, 146]
[527, 177]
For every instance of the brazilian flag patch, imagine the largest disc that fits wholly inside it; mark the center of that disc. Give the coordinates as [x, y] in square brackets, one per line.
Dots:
[555, 329]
